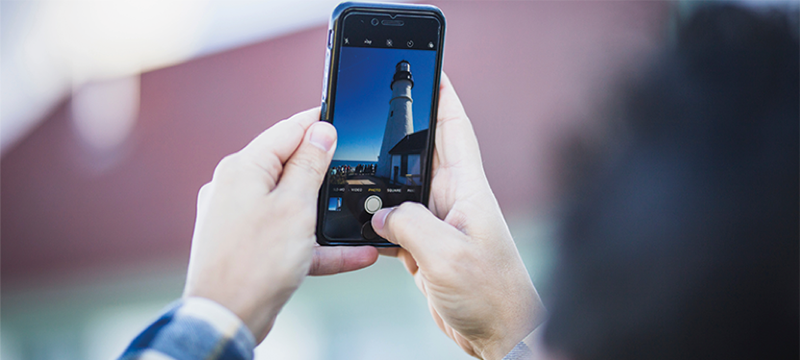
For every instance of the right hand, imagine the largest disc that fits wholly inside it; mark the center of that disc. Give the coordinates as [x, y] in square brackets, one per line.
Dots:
[461, 253]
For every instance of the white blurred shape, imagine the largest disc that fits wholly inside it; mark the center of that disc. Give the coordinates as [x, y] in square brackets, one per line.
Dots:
[32, 77]
[238, 22]
[295, 336]
[51, 46]
[102, 39]
[110, 330]
[104, 113]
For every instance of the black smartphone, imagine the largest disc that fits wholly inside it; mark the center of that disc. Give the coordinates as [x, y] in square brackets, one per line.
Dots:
[381, 92]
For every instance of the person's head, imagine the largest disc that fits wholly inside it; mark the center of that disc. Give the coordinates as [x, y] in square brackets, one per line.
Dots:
[685, 243]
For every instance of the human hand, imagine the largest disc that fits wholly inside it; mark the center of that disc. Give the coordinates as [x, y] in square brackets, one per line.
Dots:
[254, 237]
[461, 253]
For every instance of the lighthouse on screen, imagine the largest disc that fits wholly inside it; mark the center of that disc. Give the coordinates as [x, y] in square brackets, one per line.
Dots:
[401, 120]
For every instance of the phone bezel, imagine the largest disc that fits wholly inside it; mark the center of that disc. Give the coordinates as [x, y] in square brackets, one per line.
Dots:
[328, 97]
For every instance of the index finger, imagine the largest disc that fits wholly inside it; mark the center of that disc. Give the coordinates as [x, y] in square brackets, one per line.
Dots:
[450, 107]
[456, 142]
[270, 150]
[282, 138]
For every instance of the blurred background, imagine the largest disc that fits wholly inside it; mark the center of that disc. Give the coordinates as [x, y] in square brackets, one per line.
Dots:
[114, 114]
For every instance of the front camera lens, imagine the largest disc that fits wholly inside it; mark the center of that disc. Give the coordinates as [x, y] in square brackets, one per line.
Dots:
[374, 22]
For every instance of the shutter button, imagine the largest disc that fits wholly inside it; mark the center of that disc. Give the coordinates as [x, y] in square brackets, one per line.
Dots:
[373, 204]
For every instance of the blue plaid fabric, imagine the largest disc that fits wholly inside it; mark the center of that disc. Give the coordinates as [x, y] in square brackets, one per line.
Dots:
[192, 329]
[519, 352]
[196, 328]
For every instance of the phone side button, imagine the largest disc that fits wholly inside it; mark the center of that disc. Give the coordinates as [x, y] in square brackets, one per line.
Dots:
[323, 111]
[330, 38]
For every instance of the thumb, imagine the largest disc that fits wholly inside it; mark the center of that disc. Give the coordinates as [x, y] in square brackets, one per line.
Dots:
[308, 165]
[412, 226]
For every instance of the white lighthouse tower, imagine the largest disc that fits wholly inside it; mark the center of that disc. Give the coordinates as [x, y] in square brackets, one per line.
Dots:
[401, 120]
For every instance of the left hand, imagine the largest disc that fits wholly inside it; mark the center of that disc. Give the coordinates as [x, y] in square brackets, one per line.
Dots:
[254, 239]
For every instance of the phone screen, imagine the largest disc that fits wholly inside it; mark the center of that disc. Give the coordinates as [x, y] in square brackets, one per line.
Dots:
[385, 87]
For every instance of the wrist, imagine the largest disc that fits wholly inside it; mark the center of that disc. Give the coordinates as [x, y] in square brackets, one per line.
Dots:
[220, 317]
[501, 348]
[497, 350]
[509, 337]
[258, 320]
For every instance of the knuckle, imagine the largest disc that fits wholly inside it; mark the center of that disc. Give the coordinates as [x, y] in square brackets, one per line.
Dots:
[400, 220]
[457, 219]
[315, 263]
[407, 211]
[309, 163]
[290, 128]
[297, 127]
[204, 192]
[227, 166]
[409, 208]
[272, 166]
[236, 168]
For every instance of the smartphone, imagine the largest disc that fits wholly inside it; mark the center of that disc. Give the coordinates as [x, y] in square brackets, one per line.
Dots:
[381, 92]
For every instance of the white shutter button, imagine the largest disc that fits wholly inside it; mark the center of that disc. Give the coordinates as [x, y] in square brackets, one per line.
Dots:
[373, 204]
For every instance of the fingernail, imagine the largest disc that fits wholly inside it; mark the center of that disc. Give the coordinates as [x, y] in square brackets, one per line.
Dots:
[323, 135]
[379, 219]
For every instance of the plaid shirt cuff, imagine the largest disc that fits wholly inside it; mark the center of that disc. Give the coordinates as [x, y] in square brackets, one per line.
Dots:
[523, 349]
[191, 329]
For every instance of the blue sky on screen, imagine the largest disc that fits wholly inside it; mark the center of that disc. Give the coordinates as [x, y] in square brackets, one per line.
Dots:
[363, 94]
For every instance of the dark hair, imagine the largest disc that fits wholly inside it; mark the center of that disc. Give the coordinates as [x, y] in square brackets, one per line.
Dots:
[685, 244]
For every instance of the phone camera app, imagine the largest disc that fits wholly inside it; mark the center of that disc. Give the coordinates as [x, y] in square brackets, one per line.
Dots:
[382, 113]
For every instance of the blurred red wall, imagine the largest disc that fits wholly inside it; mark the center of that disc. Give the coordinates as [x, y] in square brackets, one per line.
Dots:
[527, 72]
